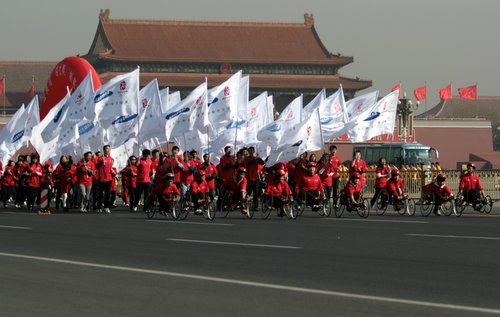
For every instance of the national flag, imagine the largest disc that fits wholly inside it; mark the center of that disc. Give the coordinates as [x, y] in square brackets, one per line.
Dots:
[307, 138]
[358, 105]
[378, 120]
[420, 93]
[2, 86]
[398, 88]
[469, 92]
[32, 119]
[189, 114]
[445, 92]
[31, 92]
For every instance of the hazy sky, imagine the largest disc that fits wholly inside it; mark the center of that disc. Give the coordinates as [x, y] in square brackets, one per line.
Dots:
[412, 42]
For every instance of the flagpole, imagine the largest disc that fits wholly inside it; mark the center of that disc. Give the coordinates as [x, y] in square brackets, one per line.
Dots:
[3, 93]
[138, 117]
[320, 131]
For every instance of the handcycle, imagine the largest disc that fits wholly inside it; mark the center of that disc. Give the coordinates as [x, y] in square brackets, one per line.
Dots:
[486, 202]
[343, 203]
[173, 209]
[204, 203]
[384, 199]
[307, 199]
[229, 203]
[446, 206]
[283, 206]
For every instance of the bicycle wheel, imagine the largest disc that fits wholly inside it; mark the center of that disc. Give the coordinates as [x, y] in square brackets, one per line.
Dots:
[488, 204]
[225, 205]
[410, 206]
[300, 204]
[366, 207]
[266, 206]
[458, 209]
[209, 210]
[174, 210]
[426, 204]
[327, 207]
[400, 207]
[185, 205]
[151, 211]
[250, 207]
[460, 205]
[381, 202]
[340, 205]
[290, 212]
[448, 207]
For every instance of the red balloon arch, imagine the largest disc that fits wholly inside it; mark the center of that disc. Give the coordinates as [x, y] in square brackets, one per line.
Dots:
[68, 73]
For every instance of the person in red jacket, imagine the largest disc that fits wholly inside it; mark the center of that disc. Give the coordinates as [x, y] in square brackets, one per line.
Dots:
[382, 173]
[8, 182]
[353, 191]
[34, 172]
[237, 186]
[225, 168]
[144, 172]
[253, 164]
[21, 187]
[358, 165]
[187, 174]
[279, 190]
[65, 183]
[439, 191]
[336, 162]
[310, 187]
[325, 172]
[199, 191]
[210, 174]
[173, 164]
[104, 168]
[47, 183]
[471, 187]
[85, 170]
[167, 194]
[396, 189]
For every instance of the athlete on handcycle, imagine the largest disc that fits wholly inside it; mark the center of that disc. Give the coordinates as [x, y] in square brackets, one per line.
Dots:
[471, 188]
[439, 192]
[278, 192]
[199, 192]
[352, 192]
[396, 190]
[310, 187]
[167, 194]
[236, 187]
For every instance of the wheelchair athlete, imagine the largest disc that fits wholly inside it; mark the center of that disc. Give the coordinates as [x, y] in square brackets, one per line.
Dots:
[396, 189]
[310, 186]
[167, 194]
[440, 191]
[237, 187]
[199, 191]
[278, 189]
[353, 192]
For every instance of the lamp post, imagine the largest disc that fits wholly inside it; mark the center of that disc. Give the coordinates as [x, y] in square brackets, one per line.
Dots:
[405, 117]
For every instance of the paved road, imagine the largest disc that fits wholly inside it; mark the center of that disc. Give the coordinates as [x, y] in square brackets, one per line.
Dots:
[125, 265]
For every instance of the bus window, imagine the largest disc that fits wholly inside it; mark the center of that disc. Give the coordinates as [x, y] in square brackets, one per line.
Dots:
[417, 156]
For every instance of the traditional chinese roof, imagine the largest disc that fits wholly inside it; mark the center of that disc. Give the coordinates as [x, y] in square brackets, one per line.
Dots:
[203, 41]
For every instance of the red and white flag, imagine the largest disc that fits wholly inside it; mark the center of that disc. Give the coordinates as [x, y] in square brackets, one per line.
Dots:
[2, 86]
[469, 92]
[398, 88]
[31, 93]
[445, 92]
[420, 93]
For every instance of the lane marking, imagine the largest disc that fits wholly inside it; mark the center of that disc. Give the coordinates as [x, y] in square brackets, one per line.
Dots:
[378, 220]
[261, 285]
[451, 236]
[192, 223]
[236, 243]
[15, 227]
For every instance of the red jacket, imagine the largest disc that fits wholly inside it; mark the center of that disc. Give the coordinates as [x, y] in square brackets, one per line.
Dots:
[325, 172]
[84, 172]
[164, 193]
[235, 186]
[441, 192]
[226, 168]
[144, 170]
[199, 187]
[380, 182]
[351, 189]
[336, 162]
[470, 181]
[277, 188]
[393, 187]
[308, 182]
[210, 174]
[35, 172]
[104, 165]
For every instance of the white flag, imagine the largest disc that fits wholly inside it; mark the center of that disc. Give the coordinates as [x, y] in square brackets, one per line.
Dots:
[51, 125]
[284, 127]
[358, 105]
[189, 114]
[11, 135]
[50, 151]
[333, 115]
[378, 120]
[243, 97]
[223, 102]
[91, 137]
[316, 102]
[122, 153]
[81, 103]
[32, 119]
[308, 138]
[151, 122]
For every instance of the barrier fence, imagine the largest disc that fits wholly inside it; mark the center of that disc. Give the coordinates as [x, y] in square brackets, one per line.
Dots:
[414, 180]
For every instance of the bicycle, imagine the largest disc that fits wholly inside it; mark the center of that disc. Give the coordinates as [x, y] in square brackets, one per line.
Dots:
[308, 199]
[230, 203]
[285, 206]
[344, 204]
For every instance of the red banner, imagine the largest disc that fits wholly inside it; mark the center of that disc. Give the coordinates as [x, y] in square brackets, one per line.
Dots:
[397, 87]
[469, 92]
[420, 93]
[2, 87]
[31, 93]
[384, 138]
[445, 93]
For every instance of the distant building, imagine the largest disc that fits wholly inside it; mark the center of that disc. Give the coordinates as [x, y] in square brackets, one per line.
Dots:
[285, 59]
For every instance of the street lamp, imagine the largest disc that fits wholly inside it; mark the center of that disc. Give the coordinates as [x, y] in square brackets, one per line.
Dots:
[405, 117]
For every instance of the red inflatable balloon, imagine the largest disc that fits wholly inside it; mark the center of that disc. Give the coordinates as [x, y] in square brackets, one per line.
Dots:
[68, 73]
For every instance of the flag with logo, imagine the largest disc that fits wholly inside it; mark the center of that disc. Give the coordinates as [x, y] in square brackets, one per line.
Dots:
[32, 119]
[223, 102]
[189, 114]
[91, 137]
[360, 104]
[333, 115]
[81, 102]
[445, 92]
[469, 92]
[151, 122]
[307, 138]
[378, 120]
[52, 150]
[11, 135]
[285, 126]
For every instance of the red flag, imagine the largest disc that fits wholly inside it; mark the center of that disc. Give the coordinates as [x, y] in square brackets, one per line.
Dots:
[469, 92]
[31, 93]
[445, 93]
[2, 87]
[420, 93]
[397, 87]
